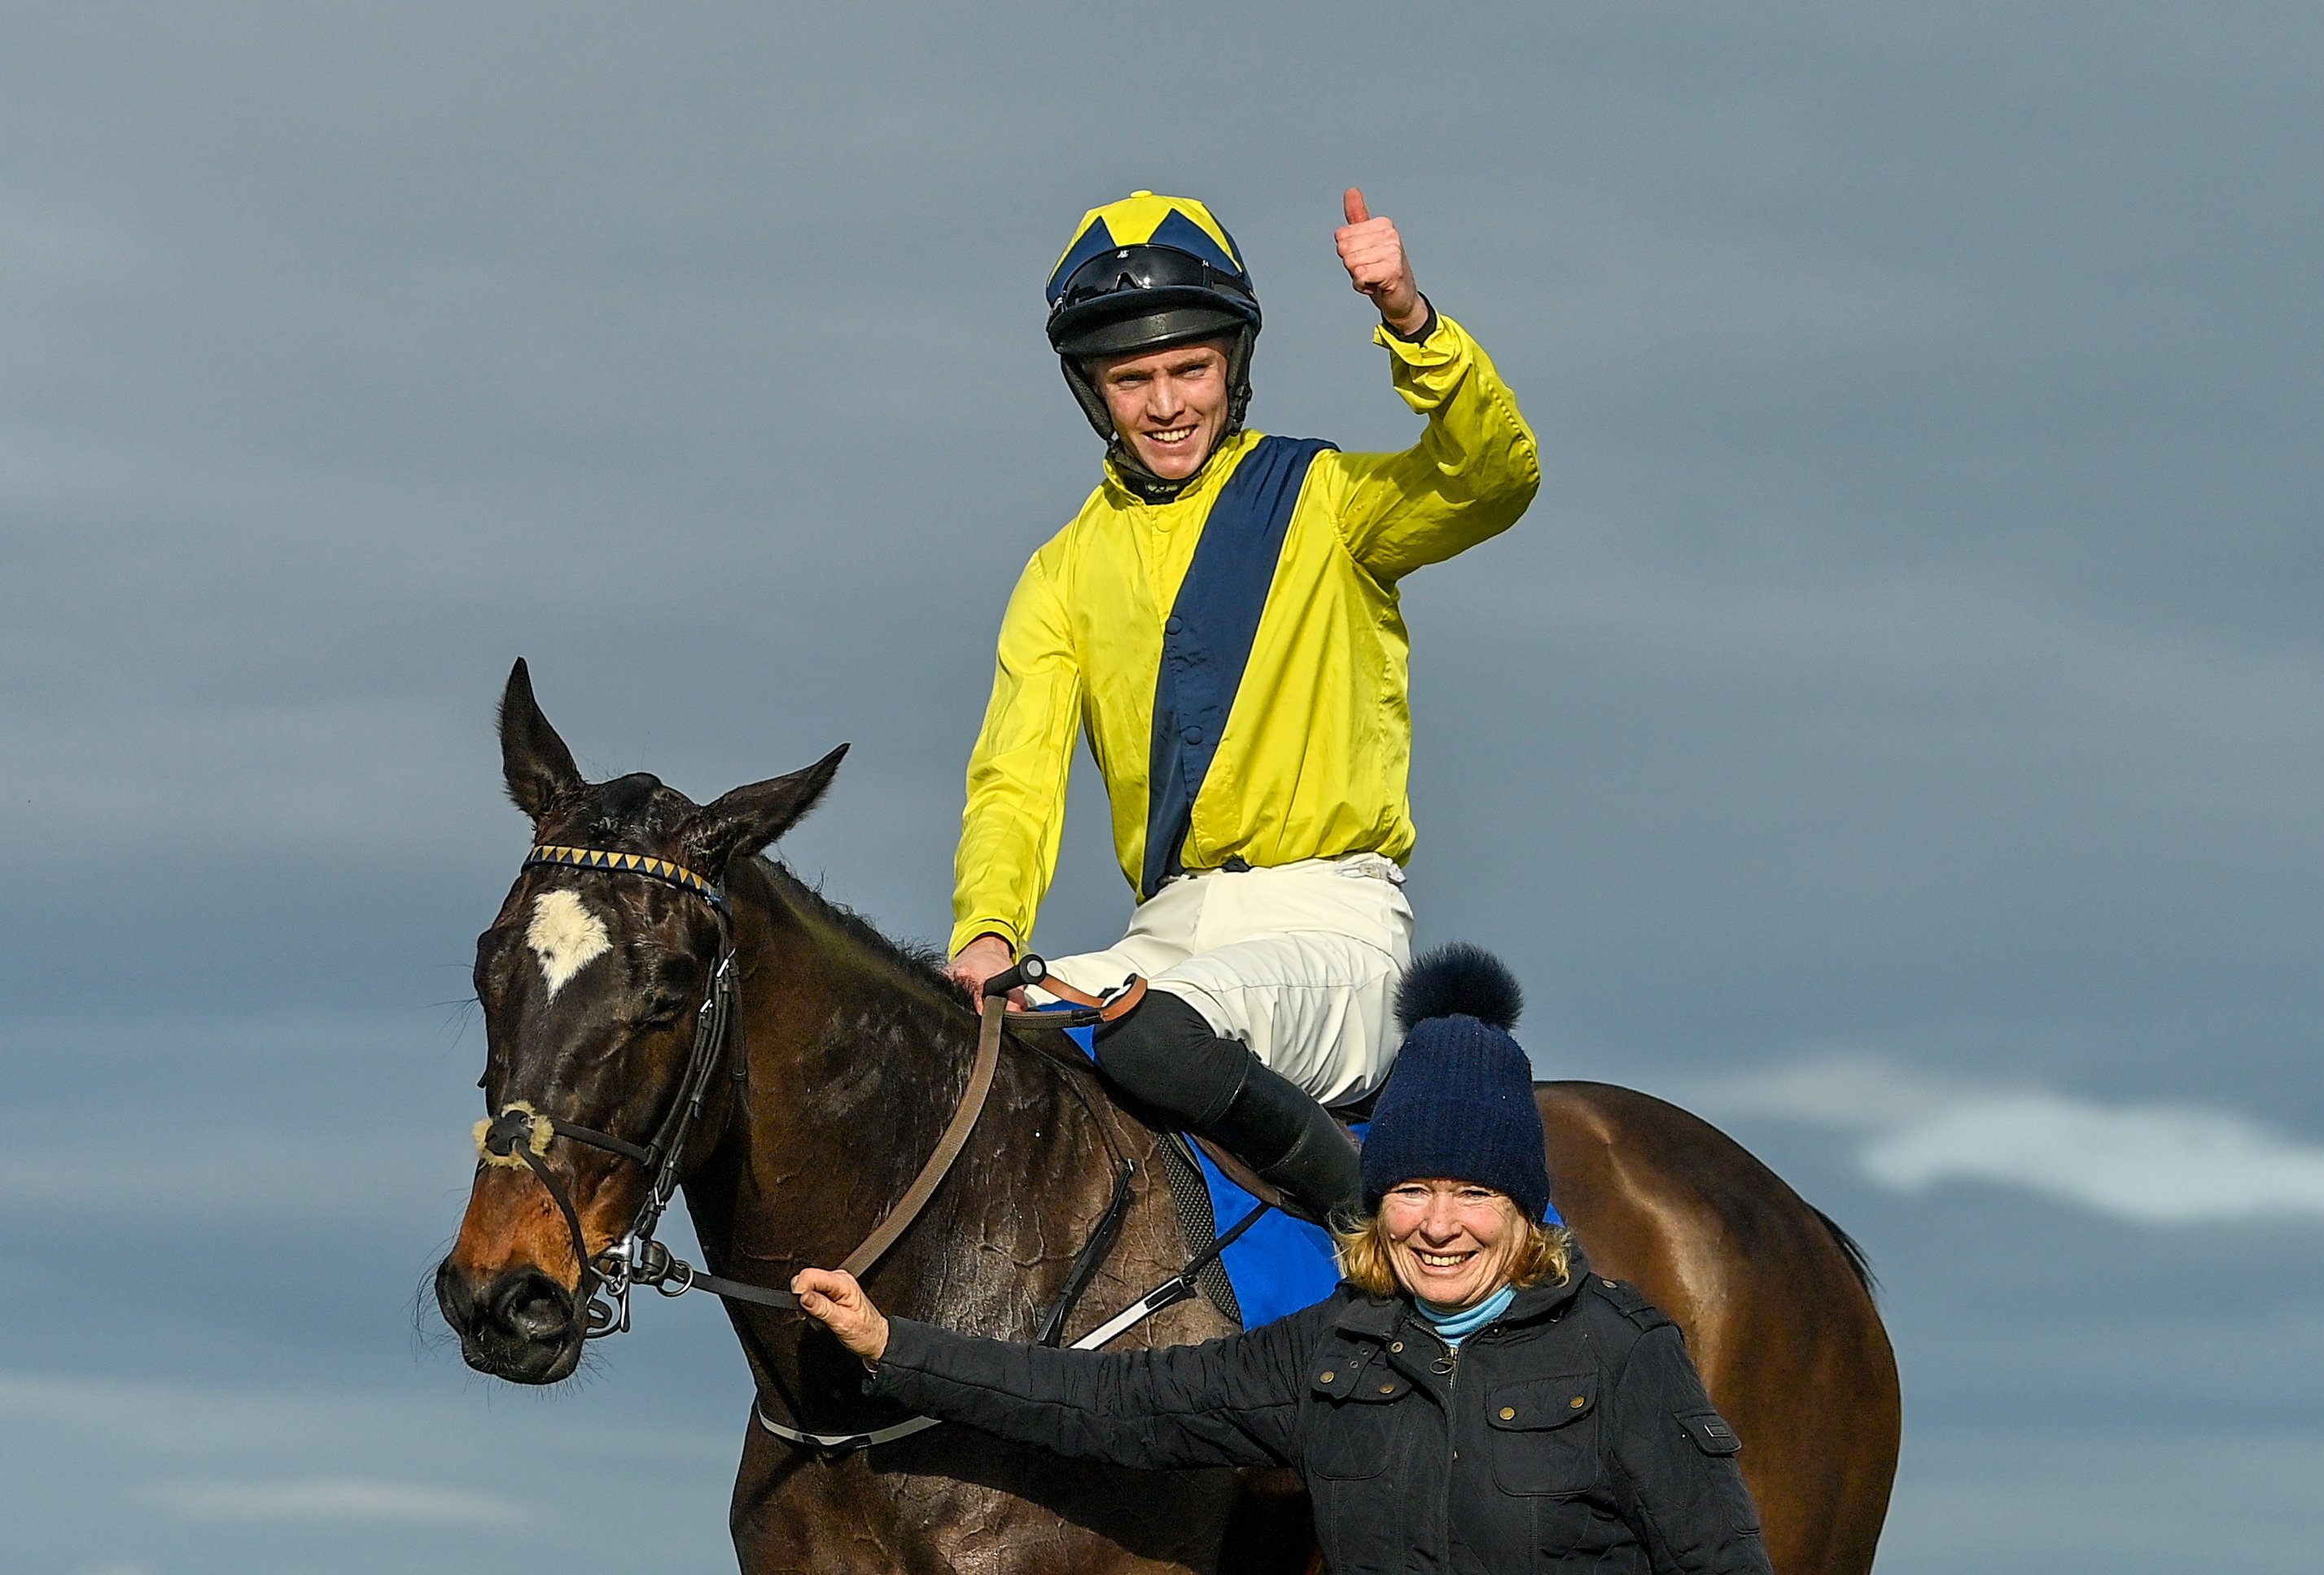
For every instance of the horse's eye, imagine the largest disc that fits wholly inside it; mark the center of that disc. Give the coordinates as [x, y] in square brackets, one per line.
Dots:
[658, 1010]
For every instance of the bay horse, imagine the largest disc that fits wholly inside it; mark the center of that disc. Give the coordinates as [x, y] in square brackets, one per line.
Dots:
[846, 1059]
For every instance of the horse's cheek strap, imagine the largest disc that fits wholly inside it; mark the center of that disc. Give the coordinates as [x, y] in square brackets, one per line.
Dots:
[584, 1272]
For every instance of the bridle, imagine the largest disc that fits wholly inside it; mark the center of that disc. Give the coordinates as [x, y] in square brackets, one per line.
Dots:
[521, 1135]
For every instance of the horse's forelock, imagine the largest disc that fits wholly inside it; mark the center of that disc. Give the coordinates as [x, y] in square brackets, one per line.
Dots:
[638, 814]
[635, 798]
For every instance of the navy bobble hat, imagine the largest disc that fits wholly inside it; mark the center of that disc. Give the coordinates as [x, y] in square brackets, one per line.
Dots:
[1460, 1103]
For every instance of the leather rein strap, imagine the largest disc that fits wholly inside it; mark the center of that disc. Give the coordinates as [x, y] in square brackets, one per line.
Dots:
[674, 1277]
[1088, 1008]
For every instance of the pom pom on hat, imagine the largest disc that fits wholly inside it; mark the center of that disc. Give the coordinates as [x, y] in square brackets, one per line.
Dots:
[1459, 980]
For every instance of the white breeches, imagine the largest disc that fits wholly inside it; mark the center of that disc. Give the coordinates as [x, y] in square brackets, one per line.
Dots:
[1299, 962]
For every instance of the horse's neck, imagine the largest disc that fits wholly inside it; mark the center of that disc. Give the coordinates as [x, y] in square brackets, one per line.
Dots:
[855, 1061]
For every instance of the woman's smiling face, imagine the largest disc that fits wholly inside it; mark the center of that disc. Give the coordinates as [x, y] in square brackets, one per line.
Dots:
[1451, 1243]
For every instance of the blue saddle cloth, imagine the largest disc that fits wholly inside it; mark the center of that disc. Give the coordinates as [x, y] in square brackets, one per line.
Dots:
[1279, 1265]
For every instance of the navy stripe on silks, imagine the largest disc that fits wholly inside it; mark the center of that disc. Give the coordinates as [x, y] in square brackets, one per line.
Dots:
[1207, 643]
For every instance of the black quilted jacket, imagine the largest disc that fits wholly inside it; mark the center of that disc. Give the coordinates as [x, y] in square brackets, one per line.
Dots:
[1572, 1435]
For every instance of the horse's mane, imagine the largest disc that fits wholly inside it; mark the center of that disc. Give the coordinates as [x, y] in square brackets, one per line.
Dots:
[919, 962]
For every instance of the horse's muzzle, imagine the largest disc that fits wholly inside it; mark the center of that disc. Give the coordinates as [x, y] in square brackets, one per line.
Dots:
[522, 1325]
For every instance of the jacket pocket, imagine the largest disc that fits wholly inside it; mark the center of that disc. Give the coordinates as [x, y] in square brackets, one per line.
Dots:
[1352, 1420]
[1544, 1434]
[1355, 1460]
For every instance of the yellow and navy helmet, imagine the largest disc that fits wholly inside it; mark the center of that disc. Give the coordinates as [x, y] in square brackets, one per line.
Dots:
[1145, 273]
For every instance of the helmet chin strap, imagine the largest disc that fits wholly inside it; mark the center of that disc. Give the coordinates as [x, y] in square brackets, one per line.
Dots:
[1153, 488]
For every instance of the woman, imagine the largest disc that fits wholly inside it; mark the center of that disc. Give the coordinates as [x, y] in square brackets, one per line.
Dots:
[1471, 1399]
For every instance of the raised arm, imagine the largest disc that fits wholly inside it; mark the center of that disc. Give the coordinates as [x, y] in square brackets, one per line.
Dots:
[1018, 774]
[1475, 468]
[1232, 1402]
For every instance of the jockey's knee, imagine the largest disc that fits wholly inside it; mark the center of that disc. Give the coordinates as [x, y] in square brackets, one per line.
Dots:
[1164, 1054]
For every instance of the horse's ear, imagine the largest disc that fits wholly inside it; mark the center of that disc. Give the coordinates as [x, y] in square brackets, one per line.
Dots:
[747, 819]
[534, 762]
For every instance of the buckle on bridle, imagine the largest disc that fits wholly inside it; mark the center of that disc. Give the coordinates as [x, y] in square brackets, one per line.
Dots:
[634, 1260]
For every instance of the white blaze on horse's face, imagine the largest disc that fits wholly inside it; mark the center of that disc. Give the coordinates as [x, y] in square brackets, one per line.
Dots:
[565, 935]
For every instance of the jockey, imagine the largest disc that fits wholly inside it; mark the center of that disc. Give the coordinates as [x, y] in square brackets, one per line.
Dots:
[1221, 621]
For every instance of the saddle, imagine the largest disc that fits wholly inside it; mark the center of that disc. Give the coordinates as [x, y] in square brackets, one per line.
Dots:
[1273, 1260]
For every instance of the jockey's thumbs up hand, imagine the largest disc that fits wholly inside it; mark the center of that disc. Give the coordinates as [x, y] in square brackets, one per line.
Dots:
[832, 1298]
[1373, 254]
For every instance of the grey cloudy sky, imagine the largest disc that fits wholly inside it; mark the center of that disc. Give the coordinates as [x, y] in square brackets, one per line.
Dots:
[1893, 730]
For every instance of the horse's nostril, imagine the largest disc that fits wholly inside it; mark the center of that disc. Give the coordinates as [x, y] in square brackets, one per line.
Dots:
[455, 1298]
[533, 1307]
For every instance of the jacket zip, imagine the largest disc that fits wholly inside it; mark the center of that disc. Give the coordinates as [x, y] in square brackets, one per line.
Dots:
[1451, 1446]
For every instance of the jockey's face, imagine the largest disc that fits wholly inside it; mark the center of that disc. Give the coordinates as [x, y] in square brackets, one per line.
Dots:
[1451, 1243]
[1168, 405]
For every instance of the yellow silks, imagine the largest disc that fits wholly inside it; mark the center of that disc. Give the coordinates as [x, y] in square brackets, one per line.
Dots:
[1316, 749]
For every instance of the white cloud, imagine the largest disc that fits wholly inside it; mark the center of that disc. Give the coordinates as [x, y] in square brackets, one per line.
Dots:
[339, 1498]
[2156, 1164]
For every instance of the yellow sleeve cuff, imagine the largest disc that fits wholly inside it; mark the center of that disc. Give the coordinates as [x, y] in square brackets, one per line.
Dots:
[1446, 343]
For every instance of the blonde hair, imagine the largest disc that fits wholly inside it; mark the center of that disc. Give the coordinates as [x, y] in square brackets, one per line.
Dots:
[1545, 1254]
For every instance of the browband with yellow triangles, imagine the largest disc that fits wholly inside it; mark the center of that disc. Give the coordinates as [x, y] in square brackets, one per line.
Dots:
[629, 863]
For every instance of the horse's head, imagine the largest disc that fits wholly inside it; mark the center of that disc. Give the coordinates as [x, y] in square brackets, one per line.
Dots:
[591, 980]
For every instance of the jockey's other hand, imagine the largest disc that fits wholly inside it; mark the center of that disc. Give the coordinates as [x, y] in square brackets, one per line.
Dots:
[1373, 254]
[833, 1297]
[979, 961]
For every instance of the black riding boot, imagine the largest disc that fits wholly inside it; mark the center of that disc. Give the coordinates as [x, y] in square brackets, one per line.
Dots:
[1164, 1054]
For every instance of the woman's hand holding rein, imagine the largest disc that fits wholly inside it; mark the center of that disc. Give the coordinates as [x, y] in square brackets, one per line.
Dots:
[833, 1297]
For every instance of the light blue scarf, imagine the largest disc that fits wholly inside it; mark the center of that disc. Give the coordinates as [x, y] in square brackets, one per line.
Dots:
[1452, 1328]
